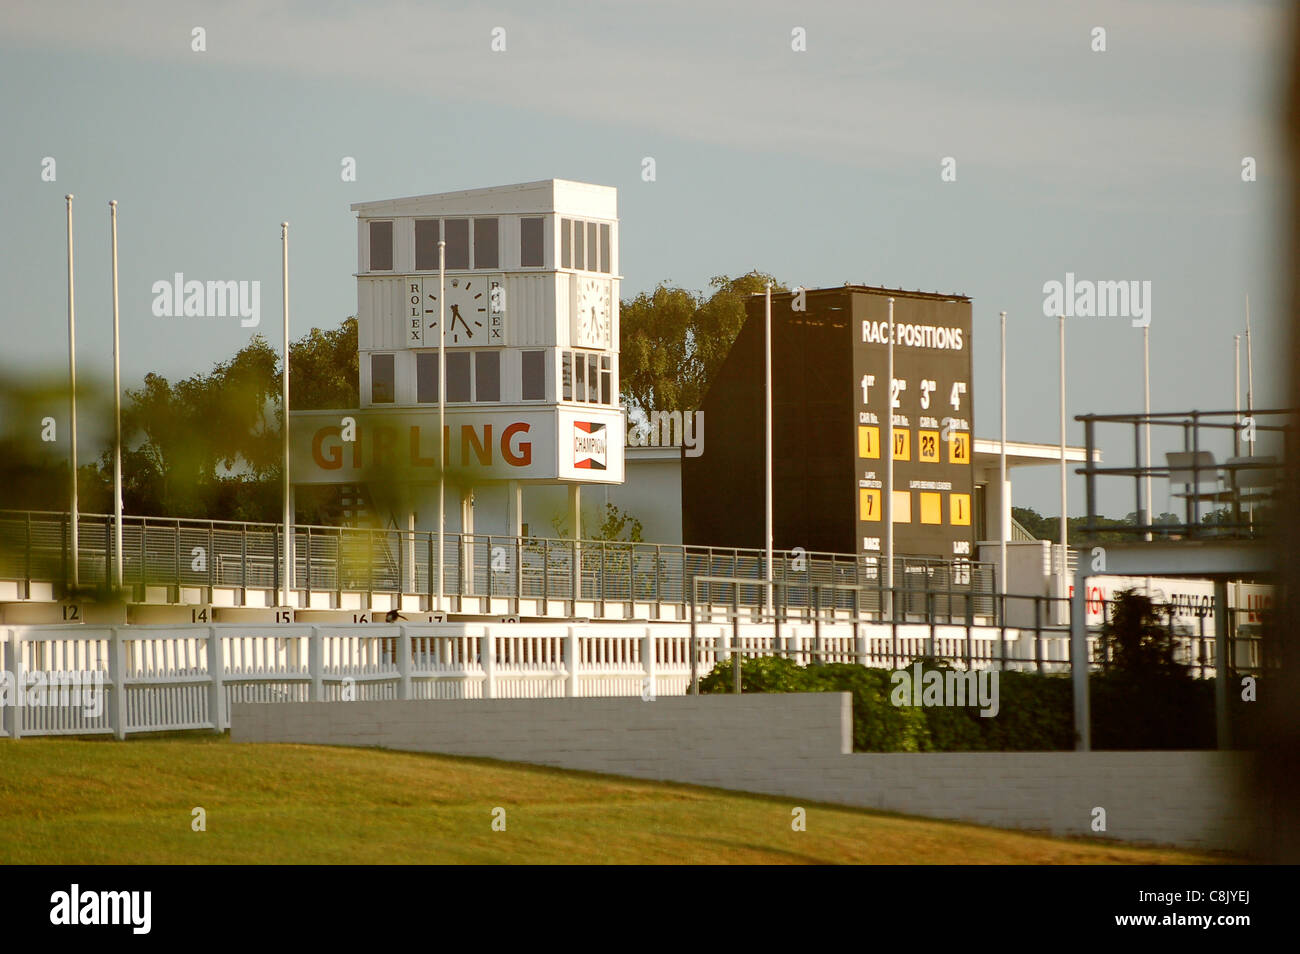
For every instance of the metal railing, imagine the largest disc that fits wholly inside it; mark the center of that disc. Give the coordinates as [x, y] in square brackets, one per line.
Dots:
[178, 553]
[1226, 489]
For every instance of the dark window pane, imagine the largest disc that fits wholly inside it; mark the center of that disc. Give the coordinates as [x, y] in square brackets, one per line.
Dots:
[381, 379]
[426, 244]
[426, 377]
[605, 378]
[458, 376]
[566, 243]
[531, 246]
[606, 263]
[592, 264]
[381, 246]
[486, 250]
[456, 233]
[579, 378]
[487, 376]
[593, 378]
[534, 375]
[579, 256]
[566, 376]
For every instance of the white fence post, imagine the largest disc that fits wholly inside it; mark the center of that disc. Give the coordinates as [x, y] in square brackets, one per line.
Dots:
[487, 647]
[403, 663]
[571, 660]
[648, 660]
[216, 683]
[14, 649]
[117, 674]
[316, 664]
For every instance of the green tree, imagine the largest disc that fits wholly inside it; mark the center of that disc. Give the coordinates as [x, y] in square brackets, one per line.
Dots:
[672, 341]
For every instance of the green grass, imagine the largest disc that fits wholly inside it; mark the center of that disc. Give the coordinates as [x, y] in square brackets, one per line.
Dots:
[82, 801]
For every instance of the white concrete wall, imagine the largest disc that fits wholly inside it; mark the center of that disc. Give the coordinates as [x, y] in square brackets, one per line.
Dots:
[798, 746]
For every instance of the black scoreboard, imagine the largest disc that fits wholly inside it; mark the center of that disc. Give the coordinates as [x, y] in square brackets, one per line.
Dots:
[930, 401]
[830, 407]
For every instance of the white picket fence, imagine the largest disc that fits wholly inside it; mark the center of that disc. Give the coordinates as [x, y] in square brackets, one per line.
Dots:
[171, 677]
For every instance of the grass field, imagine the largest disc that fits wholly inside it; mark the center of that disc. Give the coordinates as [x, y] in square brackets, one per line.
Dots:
[79, 801]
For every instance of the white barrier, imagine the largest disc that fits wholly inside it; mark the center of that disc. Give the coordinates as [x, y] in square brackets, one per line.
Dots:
[170, 677]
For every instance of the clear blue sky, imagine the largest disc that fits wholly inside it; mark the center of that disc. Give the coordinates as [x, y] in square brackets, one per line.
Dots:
[820, 166]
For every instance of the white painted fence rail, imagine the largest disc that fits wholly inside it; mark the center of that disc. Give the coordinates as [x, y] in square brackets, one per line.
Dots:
[170, 677]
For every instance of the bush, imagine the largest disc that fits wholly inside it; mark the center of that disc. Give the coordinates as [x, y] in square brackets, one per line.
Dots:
[1035, 710]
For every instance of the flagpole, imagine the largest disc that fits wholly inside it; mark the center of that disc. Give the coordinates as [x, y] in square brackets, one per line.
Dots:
[1065, 537]
[288, 514]
[767, 402]
[1146, 389]
[1004, 508]
[72, 391]
[117, 414]
[888, 509]
[442, 409]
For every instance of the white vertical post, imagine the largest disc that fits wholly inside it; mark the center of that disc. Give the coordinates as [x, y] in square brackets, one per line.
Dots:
[403, 663]
[117, 675]
[1079, 666]
[1004, 503]
[1146, 449]
[767, 432]
[442, 412]
[316, 663]
[72, 398]
[117, 416]
[1236, 395]
[575, 514]
[888, 510]
[284, 396]
[1065, 535]
[14, 647]
[648, 659]
[571, 659]
[488, 656]
[216, 683]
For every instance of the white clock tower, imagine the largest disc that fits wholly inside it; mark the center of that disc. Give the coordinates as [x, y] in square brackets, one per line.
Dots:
[531, 348]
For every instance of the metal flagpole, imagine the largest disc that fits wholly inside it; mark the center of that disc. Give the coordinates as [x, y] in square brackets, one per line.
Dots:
[1250, 401]
[888, 509]
[1236, 395]
[442, 408]
[284, 394]
[1146, 388]
[767, 401]
[117, 414]
[1065, 538]
[1004, 507]
[72, 392]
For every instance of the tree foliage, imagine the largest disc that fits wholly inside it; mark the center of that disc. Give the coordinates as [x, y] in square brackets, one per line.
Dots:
[672, 340]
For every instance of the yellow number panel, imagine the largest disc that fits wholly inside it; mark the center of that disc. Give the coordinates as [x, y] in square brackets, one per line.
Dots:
[902, 506]
[928, 446]
[931, 508]
[868, 441]
[960, 510]
[868, 504]
[959, 447]
[902, 444]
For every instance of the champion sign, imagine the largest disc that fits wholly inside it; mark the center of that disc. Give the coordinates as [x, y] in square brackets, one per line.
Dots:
[590, 445]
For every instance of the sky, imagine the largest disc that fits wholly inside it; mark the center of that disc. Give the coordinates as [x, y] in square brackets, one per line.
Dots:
[819, 165]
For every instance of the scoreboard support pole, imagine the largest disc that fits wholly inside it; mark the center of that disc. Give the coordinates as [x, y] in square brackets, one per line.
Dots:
[888, 433]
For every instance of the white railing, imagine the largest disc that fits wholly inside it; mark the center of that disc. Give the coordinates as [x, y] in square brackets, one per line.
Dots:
[157, 678]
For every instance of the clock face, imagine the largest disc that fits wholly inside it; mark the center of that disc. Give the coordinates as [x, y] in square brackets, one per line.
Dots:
[466, 312]
[593, 319]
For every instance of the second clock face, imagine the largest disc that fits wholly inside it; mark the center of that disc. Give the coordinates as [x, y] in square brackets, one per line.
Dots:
[465, 311]
[593, 320]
